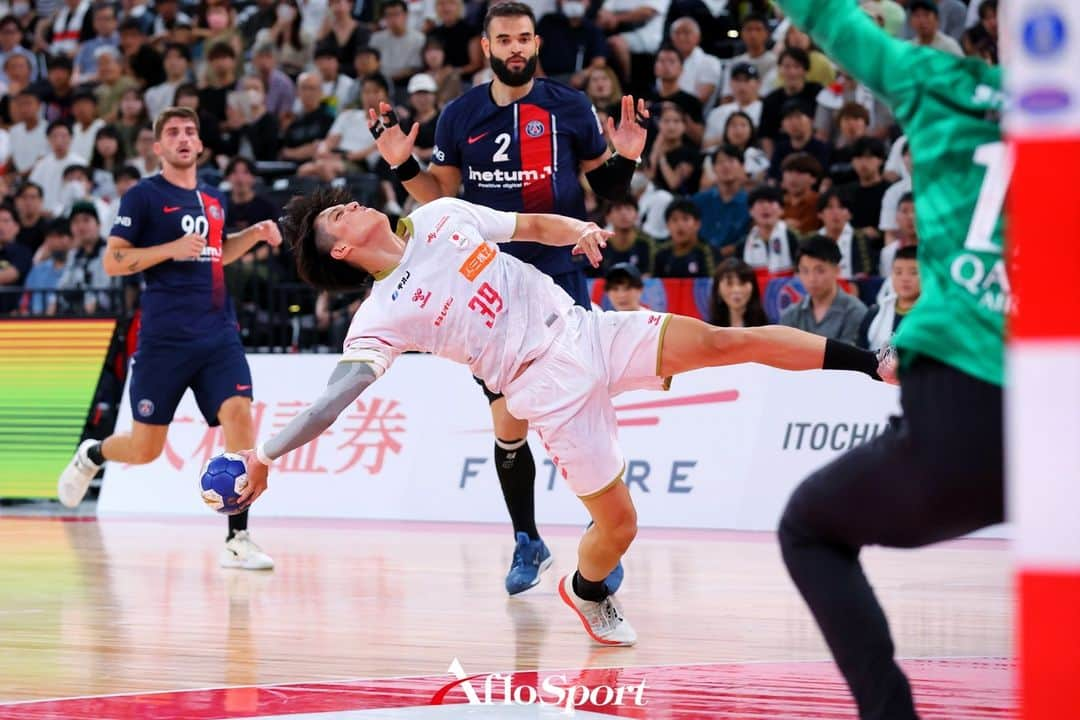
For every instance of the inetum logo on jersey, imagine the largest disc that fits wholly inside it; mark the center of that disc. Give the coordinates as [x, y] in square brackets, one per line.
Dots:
[480, 258]
[551, 691]
[509, 176]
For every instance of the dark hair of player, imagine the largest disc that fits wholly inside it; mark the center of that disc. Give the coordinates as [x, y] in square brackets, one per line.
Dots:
[509, 9]
[168, 114]
[310, 244]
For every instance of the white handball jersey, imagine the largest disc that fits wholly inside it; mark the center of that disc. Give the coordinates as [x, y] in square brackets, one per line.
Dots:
[455, 295]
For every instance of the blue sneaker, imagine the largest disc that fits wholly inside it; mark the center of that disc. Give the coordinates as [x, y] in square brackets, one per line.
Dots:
[614, 579]
[531, 557]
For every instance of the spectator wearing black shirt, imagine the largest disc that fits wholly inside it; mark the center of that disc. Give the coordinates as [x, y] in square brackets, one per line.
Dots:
[668, 68]
[686, 255]
[572, 43]
[306, 131]
[250, 130]
[342, 32]
[858, 252]
[853, 121]
[244, 207]
[866, 193]
[673, 162]
[15, 260]
[797, 137]
[30, 215]
[142, 59]
[794, 64]
[461, 41]
[222, 79]
[630, 244]
[57, 92]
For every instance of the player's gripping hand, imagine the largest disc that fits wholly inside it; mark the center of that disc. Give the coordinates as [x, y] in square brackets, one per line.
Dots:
[395, 146]
[591, 241]
[268, 232]
[188, 247]
[256, 479]
[628, 138]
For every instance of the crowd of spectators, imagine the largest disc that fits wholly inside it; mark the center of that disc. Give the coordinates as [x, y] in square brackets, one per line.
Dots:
[764, 161]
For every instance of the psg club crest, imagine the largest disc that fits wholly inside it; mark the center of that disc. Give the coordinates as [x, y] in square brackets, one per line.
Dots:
[534, 128]
[146, 407]
[215, 212]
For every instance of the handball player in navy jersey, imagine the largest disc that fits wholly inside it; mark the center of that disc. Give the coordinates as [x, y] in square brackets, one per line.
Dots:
[170, 227]
[521, 143]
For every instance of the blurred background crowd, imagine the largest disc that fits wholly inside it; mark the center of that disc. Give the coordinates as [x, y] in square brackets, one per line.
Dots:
[774, 188]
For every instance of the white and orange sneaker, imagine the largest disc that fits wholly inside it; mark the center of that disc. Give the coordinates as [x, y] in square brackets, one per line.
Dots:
[603, 620]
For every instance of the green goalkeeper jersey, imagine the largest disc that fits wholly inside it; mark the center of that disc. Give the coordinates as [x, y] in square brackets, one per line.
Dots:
[949, 108]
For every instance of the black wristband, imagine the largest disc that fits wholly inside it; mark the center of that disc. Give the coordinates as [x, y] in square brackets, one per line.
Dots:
[611, 180]
[841, 356]
[407, 170]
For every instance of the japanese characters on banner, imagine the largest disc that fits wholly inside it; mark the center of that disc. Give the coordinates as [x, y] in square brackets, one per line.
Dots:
[722, 449]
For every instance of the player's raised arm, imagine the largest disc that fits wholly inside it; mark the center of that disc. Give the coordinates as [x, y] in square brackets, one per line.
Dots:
[396, 147]
[348, 380]
[891, 68]
[587, 238]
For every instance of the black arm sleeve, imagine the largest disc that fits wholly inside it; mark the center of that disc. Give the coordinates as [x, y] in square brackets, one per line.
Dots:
[611, 180]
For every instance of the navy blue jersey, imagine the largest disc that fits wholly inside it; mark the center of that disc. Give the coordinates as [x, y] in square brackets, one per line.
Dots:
[183, 300]
[523, 157]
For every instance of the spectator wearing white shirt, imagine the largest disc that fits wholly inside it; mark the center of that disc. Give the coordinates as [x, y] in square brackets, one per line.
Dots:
[755, 36]
[337, 88]
[702, 72]
[891, 200]
[86, 123]
[952, 15]
[48, 172]
[399, 46]
[71, 24]
[349, 147]
[746, 88]
[925, 23]
[638, 26]
[895, 167]
[28, 138]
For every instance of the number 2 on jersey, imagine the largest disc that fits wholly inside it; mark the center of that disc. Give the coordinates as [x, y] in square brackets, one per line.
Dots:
[487, 302]
[998, 163]
[501, 155]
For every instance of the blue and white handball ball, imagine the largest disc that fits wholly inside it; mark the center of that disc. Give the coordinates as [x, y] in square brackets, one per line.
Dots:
[223, 479]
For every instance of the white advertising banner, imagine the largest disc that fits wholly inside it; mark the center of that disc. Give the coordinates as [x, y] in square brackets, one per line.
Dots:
[723, 448]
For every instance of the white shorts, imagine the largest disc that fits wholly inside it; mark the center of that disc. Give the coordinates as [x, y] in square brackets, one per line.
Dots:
[566, 393]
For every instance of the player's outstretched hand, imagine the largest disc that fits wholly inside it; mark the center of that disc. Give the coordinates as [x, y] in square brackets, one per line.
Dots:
[888, 363]
[268, 232]
[628, 138]
[256, 479]
[188, 247]
[395, 146]
[591, 242]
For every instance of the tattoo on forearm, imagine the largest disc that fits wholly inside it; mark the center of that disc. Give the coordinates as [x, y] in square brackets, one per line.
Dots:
[118, 256]
[133, 266]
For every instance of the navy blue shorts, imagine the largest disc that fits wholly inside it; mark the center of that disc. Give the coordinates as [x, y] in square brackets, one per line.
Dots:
[576, 286]
[215, 370]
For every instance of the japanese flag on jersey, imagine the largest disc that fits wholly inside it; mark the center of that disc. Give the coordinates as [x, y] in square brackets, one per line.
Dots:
[456, 295]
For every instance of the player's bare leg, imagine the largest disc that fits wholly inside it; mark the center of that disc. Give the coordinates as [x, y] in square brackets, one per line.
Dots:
[239, 430]
[690, 344]
[604, 543]
[138, 447]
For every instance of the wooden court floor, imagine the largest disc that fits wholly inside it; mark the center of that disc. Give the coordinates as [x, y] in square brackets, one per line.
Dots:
[128, 607]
